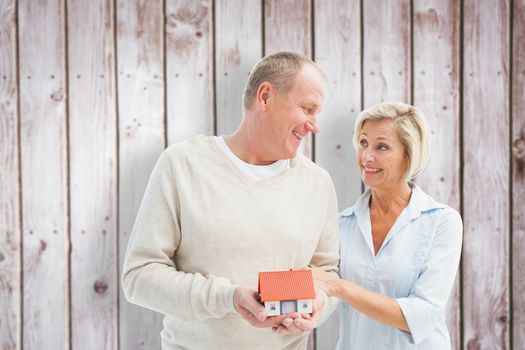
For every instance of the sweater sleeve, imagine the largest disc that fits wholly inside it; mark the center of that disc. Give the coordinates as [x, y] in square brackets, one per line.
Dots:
[150, 277]
[429, 295]
[326, 255]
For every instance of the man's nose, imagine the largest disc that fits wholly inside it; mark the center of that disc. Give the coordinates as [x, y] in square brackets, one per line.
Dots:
[312, 126]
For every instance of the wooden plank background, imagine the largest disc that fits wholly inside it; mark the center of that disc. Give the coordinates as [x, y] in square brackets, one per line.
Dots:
[43, 148]
[93, 174]
[140, 84]
[486, 152]
[10, 224]
[92, 92]
[436, 72]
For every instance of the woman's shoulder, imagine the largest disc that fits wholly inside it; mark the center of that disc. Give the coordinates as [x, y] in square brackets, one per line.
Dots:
[359, 208]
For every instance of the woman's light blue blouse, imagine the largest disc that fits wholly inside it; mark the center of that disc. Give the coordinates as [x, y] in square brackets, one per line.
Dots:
[416, 265]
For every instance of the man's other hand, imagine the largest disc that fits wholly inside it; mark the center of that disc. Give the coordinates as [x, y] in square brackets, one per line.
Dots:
[246, 304]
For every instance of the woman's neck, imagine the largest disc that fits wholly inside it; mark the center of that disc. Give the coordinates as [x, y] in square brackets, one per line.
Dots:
[388, 200]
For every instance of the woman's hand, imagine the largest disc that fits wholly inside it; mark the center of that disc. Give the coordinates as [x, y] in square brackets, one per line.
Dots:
[325, 281]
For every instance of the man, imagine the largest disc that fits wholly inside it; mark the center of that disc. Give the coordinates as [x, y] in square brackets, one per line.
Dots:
[218, 210]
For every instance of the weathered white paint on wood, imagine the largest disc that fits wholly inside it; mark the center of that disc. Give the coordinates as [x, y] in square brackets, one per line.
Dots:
[338, 52]
[93, 166]
[436, 94]
[486, 175]
[189, 69]
[43, 148]
[386, 51]
[10, 235]
[287, 27]
[140, 69]
[238, 47]
[518, 175]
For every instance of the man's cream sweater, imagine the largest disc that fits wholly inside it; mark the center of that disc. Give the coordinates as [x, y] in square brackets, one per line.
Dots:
[203, 228]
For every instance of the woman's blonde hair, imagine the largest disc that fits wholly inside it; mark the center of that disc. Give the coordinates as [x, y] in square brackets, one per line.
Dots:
[411, 127]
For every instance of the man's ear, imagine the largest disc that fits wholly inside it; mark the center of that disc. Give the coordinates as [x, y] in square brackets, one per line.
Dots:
[264, 94]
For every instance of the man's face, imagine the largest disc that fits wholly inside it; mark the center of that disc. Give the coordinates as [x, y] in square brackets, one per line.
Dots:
[292, 117]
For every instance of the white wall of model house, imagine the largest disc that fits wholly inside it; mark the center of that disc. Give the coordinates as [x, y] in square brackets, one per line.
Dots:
[274, 308]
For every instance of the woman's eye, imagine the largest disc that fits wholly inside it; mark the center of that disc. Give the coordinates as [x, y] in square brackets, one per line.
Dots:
[383, 147]
[363, 143]
[307, 110]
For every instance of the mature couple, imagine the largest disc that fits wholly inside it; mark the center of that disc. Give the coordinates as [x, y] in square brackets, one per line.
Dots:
[218, 210]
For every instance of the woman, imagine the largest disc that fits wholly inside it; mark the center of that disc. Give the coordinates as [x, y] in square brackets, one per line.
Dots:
[400, 249]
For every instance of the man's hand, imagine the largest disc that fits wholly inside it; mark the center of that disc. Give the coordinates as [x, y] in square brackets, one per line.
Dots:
[246, 304]
[297, 324]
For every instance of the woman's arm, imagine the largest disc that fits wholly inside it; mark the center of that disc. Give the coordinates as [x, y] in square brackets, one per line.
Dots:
[418, 312]
[379, 307]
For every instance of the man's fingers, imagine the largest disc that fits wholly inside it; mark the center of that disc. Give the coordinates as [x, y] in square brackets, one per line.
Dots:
[246, 299]
[303, 324]
[255, 308]
[280, 330]
[291, 327]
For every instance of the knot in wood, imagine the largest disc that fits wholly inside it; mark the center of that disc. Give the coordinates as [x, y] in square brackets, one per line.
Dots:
[473, 344]
[100, 287]
[518, 149]
[43, 246]
[57, 96]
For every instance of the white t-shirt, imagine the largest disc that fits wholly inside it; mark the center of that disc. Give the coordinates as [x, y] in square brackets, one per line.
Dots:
[254, 172]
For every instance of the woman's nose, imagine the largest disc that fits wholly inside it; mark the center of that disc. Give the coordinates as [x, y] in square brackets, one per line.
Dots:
[368, 155]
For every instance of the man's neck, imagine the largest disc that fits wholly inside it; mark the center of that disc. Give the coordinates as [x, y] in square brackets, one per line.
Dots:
[245, 144]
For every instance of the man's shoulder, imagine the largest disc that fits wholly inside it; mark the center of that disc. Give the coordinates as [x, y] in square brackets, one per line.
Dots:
[187, 153]
[189, 146]
[312, 168]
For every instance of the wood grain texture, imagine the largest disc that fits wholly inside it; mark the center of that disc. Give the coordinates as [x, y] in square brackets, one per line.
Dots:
[287, 27]
[10, 235]
[386, 51]
[140, 33]
[486, 175]
[338, 53]
[43, 147]
[93, 171]
[238, 47]
[189, 69]
[436, 93]
[518, 174]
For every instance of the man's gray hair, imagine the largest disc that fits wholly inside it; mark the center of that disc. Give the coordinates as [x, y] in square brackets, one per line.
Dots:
[279, 69]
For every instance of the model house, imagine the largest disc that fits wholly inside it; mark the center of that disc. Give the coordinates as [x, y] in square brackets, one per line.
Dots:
[283, 292]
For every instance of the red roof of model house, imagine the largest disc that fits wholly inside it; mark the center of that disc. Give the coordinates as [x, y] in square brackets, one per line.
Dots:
[286, 285]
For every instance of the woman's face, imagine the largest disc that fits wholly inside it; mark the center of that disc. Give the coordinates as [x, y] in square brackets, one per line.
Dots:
[380, 155]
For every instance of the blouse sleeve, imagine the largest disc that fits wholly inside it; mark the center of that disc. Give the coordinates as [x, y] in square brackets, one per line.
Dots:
[428, 296]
